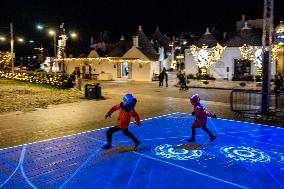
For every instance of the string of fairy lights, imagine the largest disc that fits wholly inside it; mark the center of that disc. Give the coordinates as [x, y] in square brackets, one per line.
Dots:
[254, 54]
[110, 59]
[58, 80]
[205, 57]
[5, 58]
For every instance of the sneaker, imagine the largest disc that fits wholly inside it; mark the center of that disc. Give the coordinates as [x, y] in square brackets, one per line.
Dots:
[191, 140]
[212, 138]
[106, 147]
[136, 145]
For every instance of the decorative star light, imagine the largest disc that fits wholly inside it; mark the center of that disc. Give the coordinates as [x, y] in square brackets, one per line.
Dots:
[255, 54]
[206, 57]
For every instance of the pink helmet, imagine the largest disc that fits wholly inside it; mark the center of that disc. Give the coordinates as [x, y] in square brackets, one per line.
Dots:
[195, 98]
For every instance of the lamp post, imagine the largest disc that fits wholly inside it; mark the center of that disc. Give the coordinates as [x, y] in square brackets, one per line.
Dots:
[53, 33]
[12, 48]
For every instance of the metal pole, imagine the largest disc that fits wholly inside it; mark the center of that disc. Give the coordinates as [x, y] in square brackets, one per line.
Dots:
[12, 48]
[54, 44]
[266, 46]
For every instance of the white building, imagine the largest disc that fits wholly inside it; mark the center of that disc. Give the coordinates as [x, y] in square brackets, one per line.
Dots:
[232, 63]
[137, 61]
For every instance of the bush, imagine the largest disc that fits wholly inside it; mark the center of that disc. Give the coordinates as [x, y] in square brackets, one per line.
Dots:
[245, 78]
[243, 84]
[190, 76]
[205, 77]
[59, 80]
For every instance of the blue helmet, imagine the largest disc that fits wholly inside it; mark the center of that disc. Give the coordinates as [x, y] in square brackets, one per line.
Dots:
[128, 98]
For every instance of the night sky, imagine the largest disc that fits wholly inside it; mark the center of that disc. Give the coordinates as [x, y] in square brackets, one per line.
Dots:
[122, 17]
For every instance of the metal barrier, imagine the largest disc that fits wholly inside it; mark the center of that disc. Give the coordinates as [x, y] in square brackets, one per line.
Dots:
[245, 102]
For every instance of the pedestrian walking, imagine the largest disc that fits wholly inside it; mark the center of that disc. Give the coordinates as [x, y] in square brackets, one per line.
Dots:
[166, 78]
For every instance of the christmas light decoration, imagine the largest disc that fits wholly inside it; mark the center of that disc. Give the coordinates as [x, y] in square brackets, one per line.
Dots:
[110, 59]
[255, 54]
[57, 80]
[5, 58]
[206, 57]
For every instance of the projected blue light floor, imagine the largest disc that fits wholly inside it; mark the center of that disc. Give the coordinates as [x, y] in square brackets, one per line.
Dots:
[244, 155]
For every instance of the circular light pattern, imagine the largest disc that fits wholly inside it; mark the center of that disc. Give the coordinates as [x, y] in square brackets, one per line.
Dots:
[243, 153]
[170, 152]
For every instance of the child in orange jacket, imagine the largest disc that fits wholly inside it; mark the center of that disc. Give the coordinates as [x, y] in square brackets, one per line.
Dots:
[201, 117]
[126, 111]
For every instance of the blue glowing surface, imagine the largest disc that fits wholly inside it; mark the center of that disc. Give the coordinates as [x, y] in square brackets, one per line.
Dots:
[244, 155]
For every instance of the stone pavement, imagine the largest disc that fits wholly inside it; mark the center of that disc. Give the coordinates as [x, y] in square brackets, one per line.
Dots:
[60, 120]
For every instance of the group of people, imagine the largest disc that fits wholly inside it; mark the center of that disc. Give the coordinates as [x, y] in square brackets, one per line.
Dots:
[163, 76]
[278, 82]
[127, 110]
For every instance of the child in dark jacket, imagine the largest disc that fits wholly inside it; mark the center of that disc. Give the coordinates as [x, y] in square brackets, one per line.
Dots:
[126, 111]
[201, 117]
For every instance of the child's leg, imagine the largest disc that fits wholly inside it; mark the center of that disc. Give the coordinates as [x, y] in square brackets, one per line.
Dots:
[130, 135]
[192, 139]
[109, 133]
[212, 137]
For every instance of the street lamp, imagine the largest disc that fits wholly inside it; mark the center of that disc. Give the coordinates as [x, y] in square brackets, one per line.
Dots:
[53, 33]
[12, 48]
[2, 38]
[39, 27]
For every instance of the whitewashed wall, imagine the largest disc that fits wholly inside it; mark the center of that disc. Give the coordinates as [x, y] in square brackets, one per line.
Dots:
[141, 71]
[226, 62]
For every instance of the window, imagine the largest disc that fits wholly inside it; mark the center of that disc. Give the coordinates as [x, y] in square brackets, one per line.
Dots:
[242, 68]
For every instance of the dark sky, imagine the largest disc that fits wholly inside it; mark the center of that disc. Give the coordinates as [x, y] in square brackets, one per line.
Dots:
[123, 17]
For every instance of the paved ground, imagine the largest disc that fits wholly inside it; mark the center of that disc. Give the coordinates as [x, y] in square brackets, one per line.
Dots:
[60, 120]
[165, 159]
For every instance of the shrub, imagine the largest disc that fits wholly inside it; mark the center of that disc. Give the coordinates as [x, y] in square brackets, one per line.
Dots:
[242, 84]
[205, 77]
[59, 80]
[190, 76]
[245, 78]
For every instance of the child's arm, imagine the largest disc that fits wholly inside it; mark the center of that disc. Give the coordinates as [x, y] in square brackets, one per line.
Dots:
[209, 114]
[113, 109]
[136, 117]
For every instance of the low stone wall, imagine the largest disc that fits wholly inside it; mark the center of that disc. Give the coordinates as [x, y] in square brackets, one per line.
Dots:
[225, 84]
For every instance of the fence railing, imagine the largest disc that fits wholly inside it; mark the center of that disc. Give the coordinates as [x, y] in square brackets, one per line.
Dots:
[249, 101]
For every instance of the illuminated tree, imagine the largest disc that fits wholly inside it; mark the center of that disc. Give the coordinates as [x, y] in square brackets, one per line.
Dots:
[5, 59]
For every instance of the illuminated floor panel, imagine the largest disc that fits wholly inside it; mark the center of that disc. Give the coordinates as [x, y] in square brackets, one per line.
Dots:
[244, 155]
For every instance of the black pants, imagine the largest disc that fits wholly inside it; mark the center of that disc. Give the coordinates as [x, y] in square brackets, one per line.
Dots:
[204, 129]
[114, 129]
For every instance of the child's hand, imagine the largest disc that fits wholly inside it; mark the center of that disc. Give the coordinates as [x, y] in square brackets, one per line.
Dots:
[193, 113]
[107, 115]
[213, 116]
[138, 124]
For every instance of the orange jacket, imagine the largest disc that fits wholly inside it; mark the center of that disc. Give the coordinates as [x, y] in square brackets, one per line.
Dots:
[124, 117]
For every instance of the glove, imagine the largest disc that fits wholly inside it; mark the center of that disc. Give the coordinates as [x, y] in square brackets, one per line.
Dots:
[107, 115]
[213, 116]
[193, 113]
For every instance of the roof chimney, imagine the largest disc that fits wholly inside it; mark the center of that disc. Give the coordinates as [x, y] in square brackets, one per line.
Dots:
[246, 26]
[243, 17]
[135, 41]
[207, 32]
